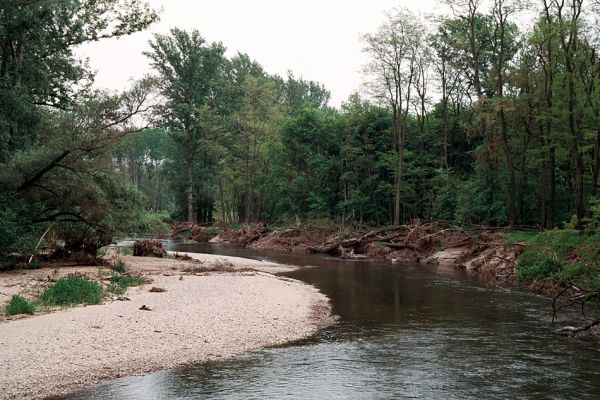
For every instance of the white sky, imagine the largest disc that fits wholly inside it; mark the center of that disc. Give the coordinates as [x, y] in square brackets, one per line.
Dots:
[316, 39]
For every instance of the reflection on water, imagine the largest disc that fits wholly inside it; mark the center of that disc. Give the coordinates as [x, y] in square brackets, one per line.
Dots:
[406, 331]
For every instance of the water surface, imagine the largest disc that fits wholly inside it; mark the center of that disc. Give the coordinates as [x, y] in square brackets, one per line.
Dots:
[405, 331]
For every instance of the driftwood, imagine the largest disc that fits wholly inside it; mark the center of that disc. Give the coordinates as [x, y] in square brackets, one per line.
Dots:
[572, 330]
[385, 237]
[399, 246]
[149, 248]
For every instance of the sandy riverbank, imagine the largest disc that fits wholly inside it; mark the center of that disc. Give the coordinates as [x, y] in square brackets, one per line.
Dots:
[201, 316]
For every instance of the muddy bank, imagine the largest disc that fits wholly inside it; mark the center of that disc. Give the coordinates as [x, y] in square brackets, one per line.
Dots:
[432, 243]
[207, 309]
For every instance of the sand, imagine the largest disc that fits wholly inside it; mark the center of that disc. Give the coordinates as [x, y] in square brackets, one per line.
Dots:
[201, 316]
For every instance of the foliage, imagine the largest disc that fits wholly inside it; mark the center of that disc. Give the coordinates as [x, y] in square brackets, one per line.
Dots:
[590, 224]
[19, 305]
[72, 290]
[120, 283]
[35, 265]
[538, 264]
[56, 134]
[558, 255]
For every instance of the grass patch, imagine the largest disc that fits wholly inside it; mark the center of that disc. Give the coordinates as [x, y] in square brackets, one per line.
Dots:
[19, 305]
[520, 237]
[120, 283]
[120, 267]
[72, 290]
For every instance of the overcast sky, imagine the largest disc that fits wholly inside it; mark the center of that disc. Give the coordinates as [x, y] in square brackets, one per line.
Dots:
[316, 39]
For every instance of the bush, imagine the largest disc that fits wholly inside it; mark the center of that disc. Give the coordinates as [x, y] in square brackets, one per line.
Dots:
[9, 264]
[72, 290]
[125, 250]
[153, 225]
[590, 223]
[120, 283]
[35, 265]
[19, 305]
[536, 264]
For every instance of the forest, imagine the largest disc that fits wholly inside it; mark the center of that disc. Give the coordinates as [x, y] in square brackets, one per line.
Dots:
[476, 118]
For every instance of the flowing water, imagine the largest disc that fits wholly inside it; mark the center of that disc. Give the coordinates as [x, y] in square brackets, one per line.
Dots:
[405, 331]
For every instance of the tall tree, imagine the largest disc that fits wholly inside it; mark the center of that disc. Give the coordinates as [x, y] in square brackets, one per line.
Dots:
[191, 79]
[394, 50]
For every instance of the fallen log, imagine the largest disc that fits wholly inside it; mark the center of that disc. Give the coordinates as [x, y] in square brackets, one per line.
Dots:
[572, 330]
[398, 246]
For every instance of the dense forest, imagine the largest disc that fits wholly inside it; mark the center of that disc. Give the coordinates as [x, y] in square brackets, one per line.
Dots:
[475, 117]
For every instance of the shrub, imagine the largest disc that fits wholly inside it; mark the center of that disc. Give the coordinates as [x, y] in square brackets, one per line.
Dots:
[9, 264]
[120, 283]
[35, 265]
[153, 225]
[73, 290]
[19, 305]
[125, 250]
[536, 264]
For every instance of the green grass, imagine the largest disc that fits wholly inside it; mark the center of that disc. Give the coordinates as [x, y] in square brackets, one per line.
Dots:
[72, 290]
[19, 305]
[120, 283]
[520, 236]
[120, 267]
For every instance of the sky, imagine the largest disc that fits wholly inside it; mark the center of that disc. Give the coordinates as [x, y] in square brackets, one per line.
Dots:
[316, 39]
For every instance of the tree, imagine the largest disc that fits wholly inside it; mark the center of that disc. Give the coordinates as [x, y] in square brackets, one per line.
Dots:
[258, 120]
[56, 135]
[191, 79]
[393, 67]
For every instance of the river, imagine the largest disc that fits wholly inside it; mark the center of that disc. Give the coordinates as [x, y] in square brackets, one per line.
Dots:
[405, 331]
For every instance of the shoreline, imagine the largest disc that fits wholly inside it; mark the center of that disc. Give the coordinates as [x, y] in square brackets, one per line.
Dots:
[201, 316]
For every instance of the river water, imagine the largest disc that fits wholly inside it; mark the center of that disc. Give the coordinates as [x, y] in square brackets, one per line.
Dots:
[405, 331]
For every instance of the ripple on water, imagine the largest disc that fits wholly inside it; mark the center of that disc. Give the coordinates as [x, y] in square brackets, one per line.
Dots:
[405, 332]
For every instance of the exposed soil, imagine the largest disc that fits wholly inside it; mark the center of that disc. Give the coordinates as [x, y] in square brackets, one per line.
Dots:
[433, 243]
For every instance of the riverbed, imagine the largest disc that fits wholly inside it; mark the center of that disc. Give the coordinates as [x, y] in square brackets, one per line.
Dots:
[405, 331]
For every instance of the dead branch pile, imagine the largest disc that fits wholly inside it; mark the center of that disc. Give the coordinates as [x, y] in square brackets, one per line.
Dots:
[149, 248]
[405, 242]
[243, 237]
[191, 231]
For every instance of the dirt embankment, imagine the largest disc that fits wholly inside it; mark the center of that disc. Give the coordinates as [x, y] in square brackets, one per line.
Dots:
[195, 309]
[482, 252]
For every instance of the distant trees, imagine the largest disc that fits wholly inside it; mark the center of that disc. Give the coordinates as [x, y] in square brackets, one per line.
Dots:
[467, 118]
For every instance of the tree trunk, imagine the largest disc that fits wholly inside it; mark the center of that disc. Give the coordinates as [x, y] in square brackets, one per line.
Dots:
[512, 209]
[400, 138]
[596, 159]
[191, 212]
